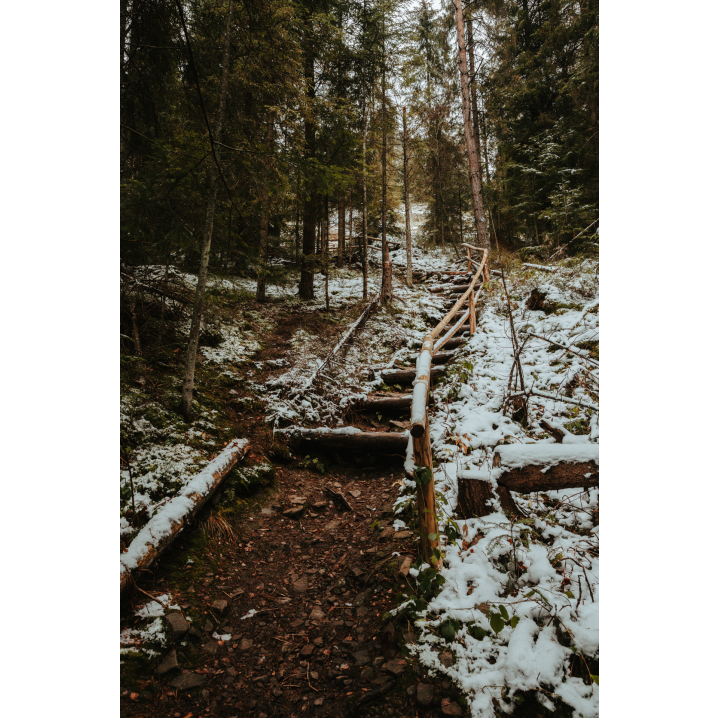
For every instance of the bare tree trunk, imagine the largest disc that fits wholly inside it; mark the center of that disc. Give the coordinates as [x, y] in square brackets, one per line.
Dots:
[264, 225]
[306, 281]
[474, 170]
[188, 383]
[407, 207]
[474, 105]
[386, 262]
[341, 230]
[365, 252]
[326, 251]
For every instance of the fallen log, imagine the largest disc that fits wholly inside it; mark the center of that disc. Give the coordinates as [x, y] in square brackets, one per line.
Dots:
[453, 343]
[528, 468]
[406, 376]
[436, 358]
[384, 404]
[382, 442]
[162, 529]
[541, 267]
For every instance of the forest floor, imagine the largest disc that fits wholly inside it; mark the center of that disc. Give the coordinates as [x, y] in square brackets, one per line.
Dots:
[270, 615]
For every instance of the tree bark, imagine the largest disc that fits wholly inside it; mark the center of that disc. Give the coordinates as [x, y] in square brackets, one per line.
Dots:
[386, 275]
[472, 84]
[188, 383]
[474, 165]
[341, 231]
[306, 281]
[407, 207]
[365, 252]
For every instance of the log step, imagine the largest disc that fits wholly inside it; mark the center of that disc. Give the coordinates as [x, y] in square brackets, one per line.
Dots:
[453, 343]
[384, 404]
[382, 442]
[406, 376]
[438, 358]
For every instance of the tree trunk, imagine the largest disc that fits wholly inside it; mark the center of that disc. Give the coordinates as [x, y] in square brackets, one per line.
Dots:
[474, 170]
[306, 281]
[386, 275]
[365, 248]
[341, 231]
[474, 104]
[264, 226]
[188, 383]
[407, 207]
[325, 257]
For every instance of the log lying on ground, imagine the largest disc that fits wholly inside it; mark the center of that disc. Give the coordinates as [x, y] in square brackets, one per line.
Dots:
[162, 529]
[436, 358]
[453, 343]
[541, 267]
[384, 404]
[348, 437]
[528, 468]
[406, 376]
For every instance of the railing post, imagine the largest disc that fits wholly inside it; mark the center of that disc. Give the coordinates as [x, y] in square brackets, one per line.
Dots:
[468, 252]
[472, 314]
[426, 499]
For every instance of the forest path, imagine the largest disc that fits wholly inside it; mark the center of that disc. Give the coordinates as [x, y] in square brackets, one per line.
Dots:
[319, 584]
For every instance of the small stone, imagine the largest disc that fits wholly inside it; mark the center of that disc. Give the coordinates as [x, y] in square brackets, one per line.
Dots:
[208, 626]
[245, 644]
[411, 690]
[366, 674]
[319, 701]
[169, 662]
[446, 659]
[307, 650]
[403, 534]
[319, 505]
[301, 584]
[317, 614]
[267, 512]
[449, 708]
[318, 641]
[252, 704]
[262, 715]
[194, 633]
[378, 661]
[356, 493]
[211, 647]
[361, 658]
[314, 675]
[297, 499]
[424, 694]
[362, 611]
[387, 533]
[277, 693]
[178, 624]
[293, 513]
[219, 606]
[188, 681]
[395, 666]
[232, 671]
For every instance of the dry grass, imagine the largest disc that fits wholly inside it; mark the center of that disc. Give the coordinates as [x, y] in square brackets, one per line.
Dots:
[216, 527]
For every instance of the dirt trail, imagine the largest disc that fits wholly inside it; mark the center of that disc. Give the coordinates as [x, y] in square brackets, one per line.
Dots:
[319, 583]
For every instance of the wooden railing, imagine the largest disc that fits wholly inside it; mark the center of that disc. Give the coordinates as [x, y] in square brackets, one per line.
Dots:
[421, 443]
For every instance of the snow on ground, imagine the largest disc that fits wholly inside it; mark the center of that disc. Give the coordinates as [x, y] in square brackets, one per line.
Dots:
[518, 603]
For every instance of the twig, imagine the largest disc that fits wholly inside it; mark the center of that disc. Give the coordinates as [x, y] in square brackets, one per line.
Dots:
[546, 395]
[563, 346]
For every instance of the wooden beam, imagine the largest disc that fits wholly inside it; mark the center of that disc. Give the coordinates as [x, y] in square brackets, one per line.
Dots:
[406, 376]
[382, 442]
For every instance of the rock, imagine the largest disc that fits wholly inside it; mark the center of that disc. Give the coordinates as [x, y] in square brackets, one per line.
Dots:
[361, 658]
[232, 671]
[294, 513]
[446, 659]
[403, 534]
[267, 512]
[178, 624]
[449, 708]
[307, 650]
[356, 494]
[219, 606]
[411, 690]
[297, 500]
[424, 694]
[318, 641]
[211, 647]
[262, 715]
[319, 505]
[362, 598]
[319, 701]
[362, 611]
[387, 533]
[194, 633]
[169, 662]
[208, 626]
[252, 704]
[286, 647]
[245, 644]
[378, 661]
[404, 568]
[332, 525]
[366, 674]
[314, 675]
[277, 693]
[317, 614]
[187, 681]
[396, 666]
[301, 584]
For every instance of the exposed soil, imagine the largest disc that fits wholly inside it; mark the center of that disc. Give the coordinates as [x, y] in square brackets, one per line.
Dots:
[320, 584]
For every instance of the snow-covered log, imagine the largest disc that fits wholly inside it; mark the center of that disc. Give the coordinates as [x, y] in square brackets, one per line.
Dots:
[168, 522]
[541, 267]
[384, 404]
